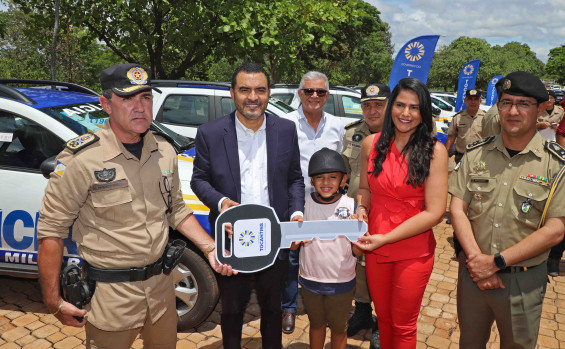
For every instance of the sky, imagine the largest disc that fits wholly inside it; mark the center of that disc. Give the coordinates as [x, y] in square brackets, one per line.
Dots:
[540, 24]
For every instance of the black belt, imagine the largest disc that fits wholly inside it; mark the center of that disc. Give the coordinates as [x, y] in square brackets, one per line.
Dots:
[123, 275]
[516, 269]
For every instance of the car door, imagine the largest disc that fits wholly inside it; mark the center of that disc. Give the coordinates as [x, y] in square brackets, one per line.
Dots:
[25, 142]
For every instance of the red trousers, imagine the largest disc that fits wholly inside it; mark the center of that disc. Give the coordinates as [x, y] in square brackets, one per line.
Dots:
[397, 289]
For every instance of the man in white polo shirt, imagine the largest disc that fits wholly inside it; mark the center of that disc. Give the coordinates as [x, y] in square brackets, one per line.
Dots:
[316, 129]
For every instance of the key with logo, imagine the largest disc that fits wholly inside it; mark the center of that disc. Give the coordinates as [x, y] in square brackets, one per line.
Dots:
[258, 235]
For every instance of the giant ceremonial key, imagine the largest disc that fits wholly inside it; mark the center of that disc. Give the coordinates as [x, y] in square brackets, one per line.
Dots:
[258, 235]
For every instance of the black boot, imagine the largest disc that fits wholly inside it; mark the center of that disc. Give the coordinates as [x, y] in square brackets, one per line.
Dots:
[362, 318]
[375, 339]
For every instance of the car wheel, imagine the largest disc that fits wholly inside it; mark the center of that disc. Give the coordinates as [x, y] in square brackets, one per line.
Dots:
[196, 290]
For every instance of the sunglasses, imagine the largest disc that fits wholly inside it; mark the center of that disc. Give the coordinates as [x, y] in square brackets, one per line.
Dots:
[167, 191]
[310, 92]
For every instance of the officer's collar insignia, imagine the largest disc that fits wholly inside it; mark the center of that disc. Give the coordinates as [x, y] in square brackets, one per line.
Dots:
[506, 84]
[480, 167]
[105, 175]
[342, 213]
[526, 206]
[81, 142]
[137, 76]
[357, 137]
[59, 168]
[372, 91]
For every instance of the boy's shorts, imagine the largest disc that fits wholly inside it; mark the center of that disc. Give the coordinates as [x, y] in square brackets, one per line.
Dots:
[332, 310]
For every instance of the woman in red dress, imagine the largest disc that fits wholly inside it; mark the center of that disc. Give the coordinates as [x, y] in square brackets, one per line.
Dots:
[403, 196]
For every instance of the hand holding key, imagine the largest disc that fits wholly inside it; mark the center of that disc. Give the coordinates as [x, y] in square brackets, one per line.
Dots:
[258, 235]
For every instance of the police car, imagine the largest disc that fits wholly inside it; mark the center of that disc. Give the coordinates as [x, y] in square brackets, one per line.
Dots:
[35, 123]
[183, 105]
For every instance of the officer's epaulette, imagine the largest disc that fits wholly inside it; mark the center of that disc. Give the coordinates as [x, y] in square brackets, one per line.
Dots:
[555, 149]
[81, 142]
[480, 142]
[354, 123]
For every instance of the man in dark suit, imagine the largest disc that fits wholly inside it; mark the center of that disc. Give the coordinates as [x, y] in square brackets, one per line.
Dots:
[247, 157]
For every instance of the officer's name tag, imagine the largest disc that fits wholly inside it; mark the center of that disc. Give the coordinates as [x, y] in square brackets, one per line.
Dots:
[122, 183]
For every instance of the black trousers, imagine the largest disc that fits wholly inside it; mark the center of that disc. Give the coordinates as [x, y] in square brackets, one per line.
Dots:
[235, 291]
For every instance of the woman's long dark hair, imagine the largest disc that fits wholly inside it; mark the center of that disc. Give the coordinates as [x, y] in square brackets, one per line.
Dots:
[420, 146]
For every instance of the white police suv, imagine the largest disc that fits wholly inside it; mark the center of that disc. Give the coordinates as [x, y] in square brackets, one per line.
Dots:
[35, 123]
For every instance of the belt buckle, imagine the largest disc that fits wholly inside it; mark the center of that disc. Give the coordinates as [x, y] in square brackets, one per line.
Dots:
[133, 273]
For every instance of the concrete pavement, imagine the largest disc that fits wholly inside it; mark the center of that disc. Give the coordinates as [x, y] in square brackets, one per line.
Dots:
[25, 322]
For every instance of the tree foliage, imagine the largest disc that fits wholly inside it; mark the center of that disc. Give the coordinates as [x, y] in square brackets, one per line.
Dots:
[495, 60]
[180, 39]
[555, 66]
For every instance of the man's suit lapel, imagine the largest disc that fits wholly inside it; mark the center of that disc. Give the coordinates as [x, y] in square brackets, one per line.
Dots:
[272, 148]
[230, 143]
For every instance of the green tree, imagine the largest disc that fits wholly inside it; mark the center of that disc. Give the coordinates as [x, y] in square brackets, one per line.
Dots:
[555, 66]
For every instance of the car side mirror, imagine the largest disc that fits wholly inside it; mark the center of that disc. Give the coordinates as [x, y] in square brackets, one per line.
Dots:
[47, 166]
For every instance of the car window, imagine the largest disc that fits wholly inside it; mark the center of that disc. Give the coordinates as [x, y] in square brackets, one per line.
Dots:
[285, 97]
[186, 110]
[441, 104]
[352, 106]
[228, 105]
[81, 118]
[24, 143]
[285, 108]
[329, 107]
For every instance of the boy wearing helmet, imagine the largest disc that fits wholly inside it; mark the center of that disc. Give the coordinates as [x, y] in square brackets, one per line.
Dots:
[327, 268]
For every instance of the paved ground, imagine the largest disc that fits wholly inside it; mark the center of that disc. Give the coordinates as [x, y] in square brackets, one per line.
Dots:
[24, 321]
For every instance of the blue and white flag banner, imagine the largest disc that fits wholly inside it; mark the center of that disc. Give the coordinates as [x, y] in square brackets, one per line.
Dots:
[414, 60]
[492, 96]
[467, 79]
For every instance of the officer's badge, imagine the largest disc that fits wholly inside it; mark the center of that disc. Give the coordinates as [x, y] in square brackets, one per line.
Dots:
[59, 168]
[507, 84]
[357, 137]
[478, 196]
[526, 206]
[342, 213]
[105, 175]
[480, 167]
[137, 76]
[80, 142]
[372, 90]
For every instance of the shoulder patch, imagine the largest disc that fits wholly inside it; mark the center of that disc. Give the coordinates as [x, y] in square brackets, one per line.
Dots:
[354, 123]
[480, 142]
[555, 149]
[81, 142]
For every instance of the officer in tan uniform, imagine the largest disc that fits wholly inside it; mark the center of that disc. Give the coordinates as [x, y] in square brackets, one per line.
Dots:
[552, 115]
[466, 126]
[374, 98]
[119, 189]
[491, 120]
[498, 194]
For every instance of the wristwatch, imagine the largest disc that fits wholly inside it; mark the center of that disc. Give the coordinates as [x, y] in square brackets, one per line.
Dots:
[499, 261]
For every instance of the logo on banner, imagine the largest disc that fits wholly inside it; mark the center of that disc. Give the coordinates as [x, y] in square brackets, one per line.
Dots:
[253, 237]
[494, 81]
[469, 69]
[414, 51]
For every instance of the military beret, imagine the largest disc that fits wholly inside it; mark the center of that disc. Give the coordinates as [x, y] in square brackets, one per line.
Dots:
[375, 91]
[524, 84]
[473, 92]
[552, 93]
[125, 79]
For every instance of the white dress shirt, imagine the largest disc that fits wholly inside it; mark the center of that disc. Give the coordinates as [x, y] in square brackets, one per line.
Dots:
[329, 134]
[252, 153]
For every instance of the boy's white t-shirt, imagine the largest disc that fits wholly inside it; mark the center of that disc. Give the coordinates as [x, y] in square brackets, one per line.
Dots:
[328, 261]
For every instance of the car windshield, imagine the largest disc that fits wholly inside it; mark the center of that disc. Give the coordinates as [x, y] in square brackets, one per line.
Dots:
[281, 105]
[81, 118]
[89, 117]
